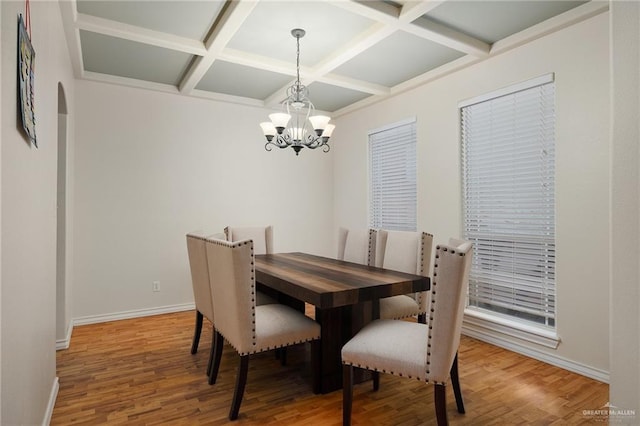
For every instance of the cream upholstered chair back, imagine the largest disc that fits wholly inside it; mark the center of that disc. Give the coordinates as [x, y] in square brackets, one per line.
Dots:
[408, 252]
[232, 277]
[262, 237]
[200, 274]
[357, 245]
[448, 293]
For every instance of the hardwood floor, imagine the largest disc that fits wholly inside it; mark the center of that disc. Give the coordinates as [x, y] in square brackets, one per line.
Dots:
[141, 371]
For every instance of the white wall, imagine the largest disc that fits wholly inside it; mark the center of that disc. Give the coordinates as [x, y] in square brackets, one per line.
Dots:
[625, 209]
[579, 57]
[150, 167]
[28, 227]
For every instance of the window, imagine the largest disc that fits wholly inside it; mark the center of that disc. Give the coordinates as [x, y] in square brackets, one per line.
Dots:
[508, 156]
[392, 163]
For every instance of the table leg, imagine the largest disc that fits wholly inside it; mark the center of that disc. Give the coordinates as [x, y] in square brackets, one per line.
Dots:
[338, 326]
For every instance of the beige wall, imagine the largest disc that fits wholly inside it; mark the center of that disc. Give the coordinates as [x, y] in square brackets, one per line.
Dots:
[151, 167]
[579, 57]
[28, 227]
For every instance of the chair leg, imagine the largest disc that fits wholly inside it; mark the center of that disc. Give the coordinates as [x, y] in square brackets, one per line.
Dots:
[316, 374]
[196, 334]
[376, 380]
[241, 381]
[283, 356]
[440, 396]
[455, 382]
[219, 343]
[211, 351]
[347, 394]
[422, 318]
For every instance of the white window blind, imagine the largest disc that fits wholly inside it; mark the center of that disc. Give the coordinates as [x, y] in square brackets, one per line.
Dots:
[508, 157]
[392, 160]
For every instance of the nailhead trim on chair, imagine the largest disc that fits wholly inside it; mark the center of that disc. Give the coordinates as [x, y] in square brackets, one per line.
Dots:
[421, 271]
[372, 247]
[268, 348]
[197, 237]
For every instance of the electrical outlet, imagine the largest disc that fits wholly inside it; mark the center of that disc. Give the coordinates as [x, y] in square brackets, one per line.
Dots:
[155, 286]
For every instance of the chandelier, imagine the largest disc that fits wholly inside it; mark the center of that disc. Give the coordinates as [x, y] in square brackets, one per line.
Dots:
[297, 127]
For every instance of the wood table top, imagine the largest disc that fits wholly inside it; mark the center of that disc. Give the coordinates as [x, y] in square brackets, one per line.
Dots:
[330, 283]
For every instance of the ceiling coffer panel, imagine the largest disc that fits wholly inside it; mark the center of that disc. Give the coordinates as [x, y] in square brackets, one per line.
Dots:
[190, 19]
[124, 58]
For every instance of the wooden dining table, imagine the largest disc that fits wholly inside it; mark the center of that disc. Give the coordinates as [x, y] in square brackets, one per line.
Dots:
[345, 295]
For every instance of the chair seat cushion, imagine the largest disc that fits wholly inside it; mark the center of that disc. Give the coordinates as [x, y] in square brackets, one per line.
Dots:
[389, 346]
[397, 307]
[279, 325]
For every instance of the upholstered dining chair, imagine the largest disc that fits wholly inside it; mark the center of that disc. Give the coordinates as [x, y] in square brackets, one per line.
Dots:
[201, 290]
[408, 252]
[357, 245]
[262, 237]
[427, 352]
[249, 328]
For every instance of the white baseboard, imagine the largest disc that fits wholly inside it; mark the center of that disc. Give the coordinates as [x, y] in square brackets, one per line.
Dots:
[64, 343]
[515, 346]
[137, 313]
[52, 402]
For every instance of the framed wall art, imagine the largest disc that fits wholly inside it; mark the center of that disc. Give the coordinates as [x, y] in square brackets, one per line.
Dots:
[26, 94]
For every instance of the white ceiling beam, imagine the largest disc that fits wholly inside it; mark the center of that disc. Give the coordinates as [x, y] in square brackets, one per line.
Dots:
[413, 10]
[69, 14]
[233, 15]
[131, 82]
[222, 97]
[556, 23]
[446, 36]
[410, 19]
[374, 10]
[354, 84]
[261, 62]
[138, 34]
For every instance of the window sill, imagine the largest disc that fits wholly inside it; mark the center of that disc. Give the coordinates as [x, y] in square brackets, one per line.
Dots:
[485, 323]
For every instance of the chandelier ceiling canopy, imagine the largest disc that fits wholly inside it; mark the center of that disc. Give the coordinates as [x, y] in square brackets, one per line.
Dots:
[298, 127]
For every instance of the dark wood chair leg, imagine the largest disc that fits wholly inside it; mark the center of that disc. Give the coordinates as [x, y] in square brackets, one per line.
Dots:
[219, 344]
[316, 373]
[455, 382]
[376, 380]
[211, 351]
[440, 396]
[196, 333]
[241, 381]
[422, 318]
[347, 394]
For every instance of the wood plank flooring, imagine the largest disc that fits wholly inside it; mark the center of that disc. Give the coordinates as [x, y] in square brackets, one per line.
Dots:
[141, 371]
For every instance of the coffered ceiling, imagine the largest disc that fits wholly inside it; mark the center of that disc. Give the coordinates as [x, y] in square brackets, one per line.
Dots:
[354, 52]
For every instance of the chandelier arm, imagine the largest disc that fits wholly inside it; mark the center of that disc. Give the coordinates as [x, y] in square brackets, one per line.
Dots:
[312, 141]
